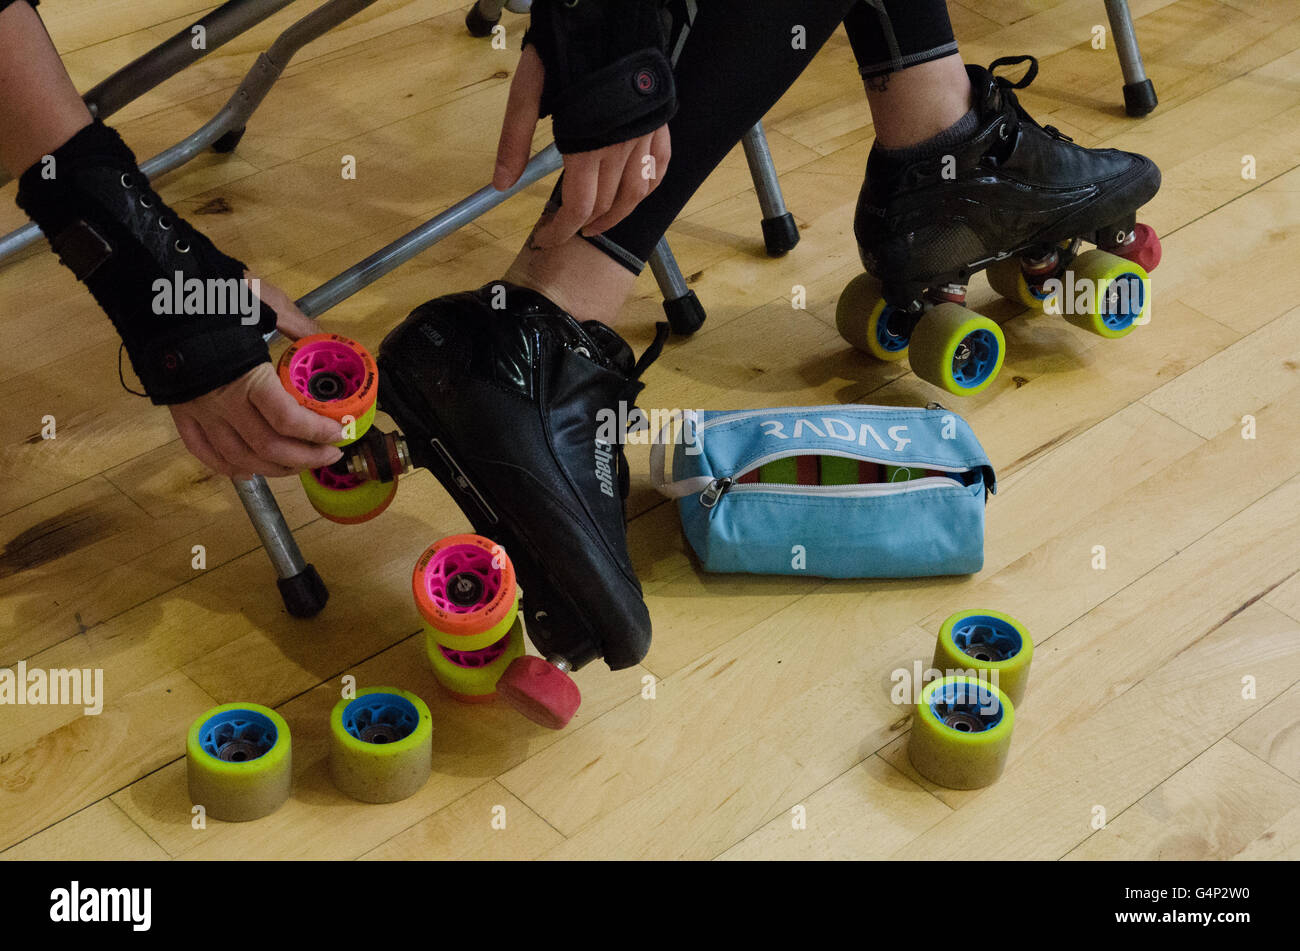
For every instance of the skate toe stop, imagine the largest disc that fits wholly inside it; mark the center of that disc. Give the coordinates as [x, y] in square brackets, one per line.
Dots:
[540, 691]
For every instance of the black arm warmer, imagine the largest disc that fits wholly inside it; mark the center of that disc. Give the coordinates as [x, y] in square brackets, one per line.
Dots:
[608, 78]
[179, 304]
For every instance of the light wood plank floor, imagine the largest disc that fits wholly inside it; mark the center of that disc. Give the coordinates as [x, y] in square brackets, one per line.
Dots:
[1166, 690]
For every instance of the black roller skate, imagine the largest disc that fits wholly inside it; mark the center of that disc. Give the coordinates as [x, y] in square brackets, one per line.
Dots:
[501, 395]
[1017, 199]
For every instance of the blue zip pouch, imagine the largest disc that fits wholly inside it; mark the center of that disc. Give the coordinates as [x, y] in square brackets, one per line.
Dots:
[843, 491]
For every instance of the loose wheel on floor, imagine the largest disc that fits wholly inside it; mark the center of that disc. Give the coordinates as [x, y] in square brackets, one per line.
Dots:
[238, 761]
[956, 349]
[990, 642]
[961, 732]
[869, 324]
[381, 744]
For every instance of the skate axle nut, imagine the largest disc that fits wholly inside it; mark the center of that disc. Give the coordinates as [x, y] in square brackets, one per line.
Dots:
[326, 385]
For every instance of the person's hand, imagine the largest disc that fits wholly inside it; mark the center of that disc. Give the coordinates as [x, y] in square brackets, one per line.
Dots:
[251, 426]
[601, 187]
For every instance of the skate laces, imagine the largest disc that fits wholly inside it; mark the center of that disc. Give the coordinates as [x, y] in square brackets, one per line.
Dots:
[1005, 87]
[628, 394]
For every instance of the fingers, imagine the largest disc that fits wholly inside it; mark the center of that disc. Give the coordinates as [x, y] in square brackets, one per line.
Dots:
[191, 434]
[289, 320]
[578, 195]
[662, 151]
[239, 455]
[603, 186]
[523, 109]
[286, 432]
[613, 169]
[632, 187]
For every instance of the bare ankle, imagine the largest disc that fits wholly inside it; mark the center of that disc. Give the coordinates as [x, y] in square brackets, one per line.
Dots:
[584, 281]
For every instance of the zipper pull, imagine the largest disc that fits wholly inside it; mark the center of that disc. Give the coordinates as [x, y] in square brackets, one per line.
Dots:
[715, 490]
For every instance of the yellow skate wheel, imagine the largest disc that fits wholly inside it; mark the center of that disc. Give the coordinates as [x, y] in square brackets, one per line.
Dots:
[986, 643]
[238, 759]
[1007, 277]
[869, 324]
[957, 349]
[471, 676]
[346, 499]
[381, 744]
[1120, 299]
[961, 732]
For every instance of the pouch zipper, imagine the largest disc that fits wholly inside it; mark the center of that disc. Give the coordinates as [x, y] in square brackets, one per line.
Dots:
[715, 490]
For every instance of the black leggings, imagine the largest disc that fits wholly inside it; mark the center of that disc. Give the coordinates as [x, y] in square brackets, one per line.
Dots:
[736, 60]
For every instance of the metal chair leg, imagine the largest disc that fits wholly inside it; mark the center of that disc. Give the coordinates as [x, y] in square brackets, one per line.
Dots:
[301, 588]
[684, 311]
[1139, 93]
[780, 233]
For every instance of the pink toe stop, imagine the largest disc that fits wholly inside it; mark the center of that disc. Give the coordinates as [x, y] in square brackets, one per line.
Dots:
[540, 691]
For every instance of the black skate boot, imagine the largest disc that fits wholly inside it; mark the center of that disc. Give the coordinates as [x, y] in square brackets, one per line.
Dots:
[1016, 198]
[504, 404]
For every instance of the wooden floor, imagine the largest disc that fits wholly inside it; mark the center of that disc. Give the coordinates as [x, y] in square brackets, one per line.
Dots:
[1166, 689]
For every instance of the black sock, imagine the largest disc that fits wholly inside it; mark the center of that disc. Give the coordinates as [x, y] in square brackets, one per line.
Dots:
[883, 164]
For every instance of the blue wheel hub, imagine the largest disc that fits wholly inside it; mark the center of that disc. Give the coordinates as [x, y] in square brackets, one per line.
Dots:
[966, 707]
[237, 736]
[893, 329]
[975, 358]
[380, 718]
[1123, 301]
[987, 639]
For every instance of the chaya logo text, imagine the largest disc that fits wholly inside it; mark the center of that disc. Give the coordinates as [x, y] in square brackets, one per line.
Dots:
[208, 297]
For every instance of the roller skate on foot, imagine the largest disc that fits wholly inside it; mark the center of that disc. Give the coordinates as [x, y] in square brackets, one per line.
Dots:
[1015, 198]
[501, 394]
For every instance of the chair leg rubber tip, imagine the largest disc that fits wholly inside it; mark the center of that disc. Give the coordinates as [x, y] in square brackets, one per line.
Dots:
[685, 314]
[780, 234]
[304, 594]
[478, 24]
[1140, 98]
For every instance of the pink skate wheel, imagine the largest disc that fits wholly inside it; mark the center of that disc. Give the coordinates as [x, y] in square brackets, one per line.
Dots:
[540, 691]
[1145, 249]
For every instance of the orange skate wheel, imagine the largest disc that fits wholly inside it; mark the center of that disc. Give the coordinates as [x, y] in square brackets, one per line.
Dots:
[335, 377]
